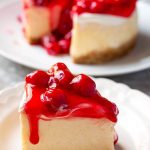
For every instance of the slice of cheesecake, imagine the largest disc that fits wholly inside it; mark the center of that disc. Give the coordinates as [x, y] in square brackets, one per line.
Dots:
[63, 111]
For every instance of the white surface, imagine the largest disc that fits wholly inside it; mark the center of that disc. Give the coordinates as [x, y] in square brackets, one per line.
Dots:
[133, 125]
[14, 46]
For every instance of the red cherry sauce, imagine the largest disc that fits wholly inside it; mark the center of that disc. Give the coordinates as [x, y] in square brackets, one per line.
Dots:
[122, 8]
[58, 42]
[59, 94]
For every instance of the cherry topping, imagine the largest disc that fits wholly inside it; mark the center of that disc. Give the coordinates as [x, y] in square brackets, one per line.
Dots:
[84, 85]
[59, 94]
[53, 48]
[115, 2]
[97, 6]
[53, 82]
[77, 9]
[65, 45]
[54, 99]
[39, 78]
[65, 23]
[47, 39]
[40, 2]
[61, 73]
[68, 36]
[64, 77]
[57, 66]
[115, 7]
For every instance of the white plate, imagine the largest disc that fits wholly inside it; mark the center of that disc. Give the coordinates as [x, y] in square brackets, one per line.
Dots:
[133, 125]
[14, 46]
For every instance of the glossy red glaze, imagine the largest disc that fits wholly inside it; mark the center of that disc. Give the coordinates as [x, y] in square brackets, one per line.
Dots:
[63, 96]
[115, 7]
[122, 8]
[61, 17]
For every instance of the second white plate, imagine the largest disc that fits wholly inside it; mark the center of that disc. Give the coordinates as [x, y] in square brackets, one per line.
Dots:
[14, 46]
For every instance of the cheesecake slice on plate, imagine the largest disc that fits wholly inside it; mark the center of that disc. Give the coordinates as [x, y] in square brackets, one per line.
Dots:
[61, 111]
[91, 31]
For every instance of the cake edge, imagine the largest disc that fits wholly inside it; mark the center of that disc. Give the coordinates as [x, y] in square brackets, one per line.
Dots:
[100, 57]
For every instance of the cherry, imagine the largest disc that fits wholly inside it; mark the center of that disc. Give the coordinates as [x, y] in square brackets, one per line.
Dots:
[83, 85]
[55, 99]
[40, 2]
[65, 45]
[47, 39]
[65, 22]
[68, 36]
[57, 66]
[61, 73]
[53, 48]
[94, 6]
[82, 3]
[97, 6]
[77, 9]
[53, 82]
[64, 77]
[39, 78]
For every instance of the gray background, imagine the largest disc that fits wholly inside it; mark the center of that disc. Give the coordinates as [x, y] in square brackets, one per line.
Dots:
[11, 73]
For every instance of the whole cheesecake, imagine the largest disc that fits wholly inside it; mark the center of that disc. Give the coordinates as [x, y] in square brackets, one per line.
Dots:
[92, 31]
[63, 111]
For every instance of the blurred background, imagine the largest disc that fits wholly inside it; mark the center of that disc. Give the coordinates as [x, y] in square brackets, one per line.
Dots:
[11, 73]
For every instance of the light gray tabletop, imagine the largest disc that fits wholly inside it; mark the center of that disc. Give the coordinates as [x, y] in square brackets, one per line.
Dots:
[12, 73]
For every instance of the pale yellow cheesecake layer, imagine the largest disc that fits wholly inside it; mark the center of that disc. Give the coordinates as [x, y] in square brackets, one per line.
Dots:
[36, 23]
[95, 41]
[70, 134]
